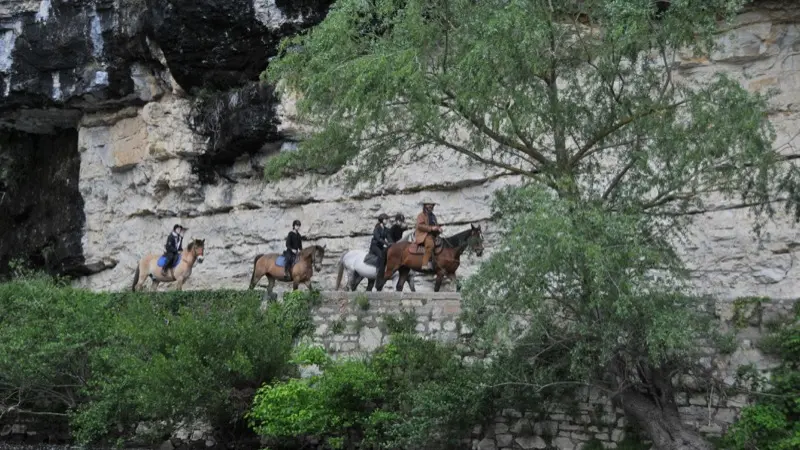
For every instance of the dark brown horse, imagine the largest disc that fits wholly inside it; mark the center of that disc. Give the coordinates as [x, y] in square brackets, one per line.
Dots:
[405, 256]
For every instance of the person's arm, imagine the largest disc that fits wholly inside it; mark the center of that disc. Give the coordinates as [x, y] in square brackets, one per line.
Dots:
[170, 247]
[422, 224]
[379, 234]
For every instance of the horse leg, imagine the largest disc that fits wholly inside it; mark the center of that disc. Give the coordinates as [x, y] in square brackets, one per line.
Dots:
[404, 271]
[270, 287]
[154, 285]
[295, 286]
[410, 281]
[370, 284]
[438, 284]
[355, 281]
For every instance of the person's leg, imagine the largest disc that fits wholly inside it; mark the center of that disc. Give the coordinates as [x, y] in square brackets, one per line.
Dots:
[287, 265]
[168, 262]
[427, 257]
[380, 264]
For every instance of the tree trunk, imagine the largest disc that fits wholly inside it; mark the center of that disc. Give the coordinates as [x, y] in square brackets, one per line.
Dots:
[661, 421]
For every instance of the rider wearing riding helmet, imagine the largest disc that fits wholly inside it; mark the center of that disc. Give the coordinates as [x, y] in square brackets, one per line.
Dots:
[378, 246]
[294, 243]
[397, 228]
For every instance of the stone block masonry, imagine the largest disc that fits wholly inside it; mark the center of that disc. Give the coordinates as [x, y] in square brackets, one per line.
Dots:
[353, 324]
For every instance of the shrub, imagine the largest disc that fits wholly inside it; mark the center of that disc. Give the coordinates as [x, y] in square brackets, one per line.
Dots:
[774, 422]
[411, 393]
[110, 361]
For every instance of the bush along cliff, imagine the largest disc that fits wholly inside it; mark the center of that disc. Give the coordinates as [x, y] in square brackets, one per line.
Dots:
[773, 422]
[133, 368]
[616, 157]
[412, 393]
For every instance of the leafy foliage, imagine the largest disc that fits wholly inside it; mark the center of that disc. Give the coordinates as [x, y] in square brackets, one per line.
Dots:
[412, 393]
[109, 361]
[774, 422]
[592, 298]
[580, 96]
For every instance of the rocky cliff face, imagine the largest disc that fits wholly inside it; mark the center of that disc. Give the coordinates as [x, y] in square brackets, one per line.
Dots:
[123, 75]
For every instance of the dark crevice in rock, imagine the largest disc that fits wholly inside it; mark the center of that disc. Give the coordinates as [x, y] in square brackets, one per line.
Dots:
[42, 221]
[235, 122]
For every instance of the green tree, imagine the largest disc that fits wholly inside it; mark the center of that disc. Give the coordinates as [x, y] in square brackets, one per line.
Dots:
[616, 150]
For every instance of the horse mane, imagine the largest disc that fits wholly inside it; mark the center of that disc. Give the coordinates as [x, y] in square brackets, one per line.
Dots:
[309, 249]
[456, 239]
[192, 244]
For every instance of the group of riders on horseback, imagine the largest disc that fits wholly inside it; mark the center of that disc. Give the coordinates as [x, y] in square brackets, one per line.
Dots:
[389, 255]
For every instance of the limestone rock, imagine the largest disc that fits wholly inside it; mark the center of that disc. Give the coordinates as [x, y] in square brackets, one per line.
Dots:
[530, 442]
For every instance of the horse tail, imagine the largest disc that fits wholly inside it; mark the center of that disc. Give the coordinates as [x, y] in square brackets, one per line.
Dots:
[341, 271]
[135, 278]
[253, 276]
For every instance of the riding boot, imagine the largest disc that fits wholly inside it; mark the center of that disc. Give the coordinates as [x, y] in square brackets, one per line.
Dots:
[288, 273]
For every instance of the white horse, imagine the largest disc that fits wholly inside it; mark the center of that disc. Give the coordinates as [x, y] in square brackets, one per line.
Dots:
[357, 270]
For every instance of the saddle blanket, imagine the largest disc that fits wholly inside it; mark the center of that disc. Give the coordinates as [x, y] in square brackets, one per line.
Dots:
[280, 261]
[163, 260]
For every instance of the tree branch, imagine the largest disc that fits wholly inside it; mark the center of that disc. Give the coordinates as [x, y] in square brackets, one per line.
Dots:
[614, 128]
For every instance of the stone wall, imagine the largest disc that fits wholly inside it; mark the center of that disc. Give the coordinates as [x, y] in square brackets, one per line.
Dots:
[354, 324]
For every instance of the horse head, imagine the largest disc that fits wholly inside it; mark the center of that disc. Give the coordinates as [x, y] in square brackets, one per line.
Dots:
[197, 248]
[316, 258]
[475, 239]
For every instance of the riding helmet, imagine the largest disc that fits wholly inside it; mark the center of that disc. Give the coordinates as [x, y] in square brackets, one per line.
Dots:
[383, 217]
[296, 222]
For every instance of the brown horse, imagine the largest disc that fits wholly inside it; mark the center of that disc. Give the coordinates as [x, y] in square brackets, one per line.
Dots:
[148, 266]
[405, 256]
[309, 260]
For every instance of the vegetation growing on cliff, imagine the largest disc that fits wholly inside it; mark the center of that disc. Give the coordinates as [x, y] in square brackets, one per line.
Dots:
[773, 422]
[106, 362]
[582, 100]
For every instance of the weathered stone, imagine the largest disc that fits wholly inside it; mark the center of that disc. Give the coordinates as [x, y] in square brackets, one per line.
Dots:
[500, 428]
[166, 445]
[197, 435]
[617, 435]
[563, 443]
[504, 440]
[369, 338]
[530, 442]
[487, 444]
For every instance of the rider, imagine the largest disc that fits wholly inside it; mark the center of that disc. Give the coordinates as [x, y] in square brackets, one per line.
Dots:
[397, 228]
[294, 243]
[173, 247]
[378, 246]
[427, 228]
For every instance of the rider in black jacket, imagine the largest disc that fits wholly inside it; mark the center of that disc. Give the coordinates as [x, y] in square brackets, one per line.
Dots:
[294, 243]
[173, 247]
[397, 229]
[378, 246]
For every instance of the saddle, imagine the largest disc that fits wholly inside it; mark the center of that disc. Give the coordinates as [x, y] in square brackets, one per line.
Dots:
[419, 249]
[371, 260]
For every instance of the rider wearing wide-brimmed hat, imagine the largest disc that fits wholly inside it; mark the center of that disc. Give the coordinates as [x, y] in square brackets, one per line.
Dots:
[427, 228]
